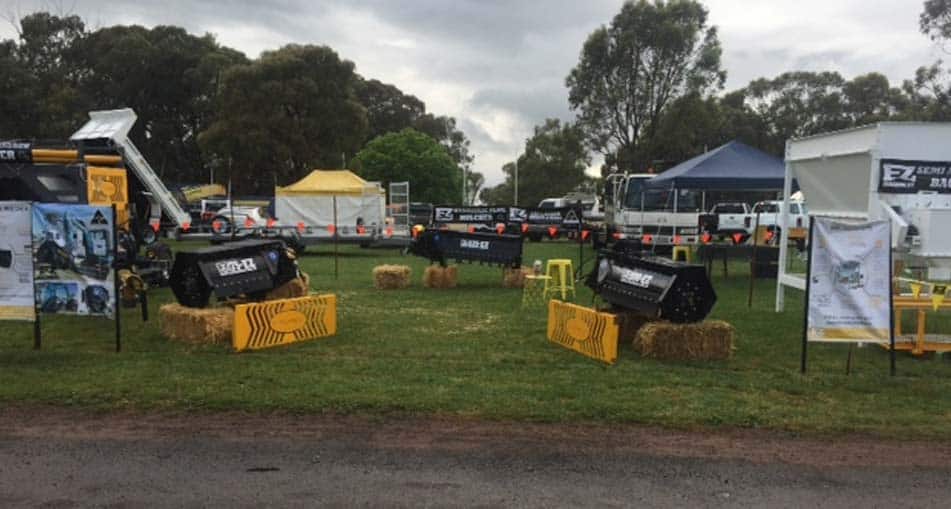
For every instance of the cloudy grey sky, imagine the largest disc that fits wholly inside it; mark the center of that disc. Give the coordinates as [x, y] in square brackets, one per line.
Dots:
[499, 65]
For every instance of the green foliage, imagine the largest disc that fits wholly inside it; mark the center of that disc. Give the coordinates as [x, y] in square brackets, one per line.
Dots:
[170, 78]
[628, 73]
[410, 155]
[291, 111]
[935, 20]
[553, 163]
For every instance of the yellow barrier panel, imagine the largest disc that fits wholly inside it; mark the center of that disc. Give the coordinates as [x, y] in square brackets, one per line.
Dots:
[285, 321]
[583, 330]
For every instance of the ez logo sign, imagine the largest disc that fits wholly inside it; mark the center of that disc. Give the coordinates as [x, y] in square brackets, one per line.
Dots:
[235, 267]
[474, 244]
[898, 176]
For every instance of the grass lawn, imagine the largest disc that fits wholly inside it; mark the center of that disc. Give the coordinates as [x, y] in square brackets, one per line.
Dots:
[473, 352]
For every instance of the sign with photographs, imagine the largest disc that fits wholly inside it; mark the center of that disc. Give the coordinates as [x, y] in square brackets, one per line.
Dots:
[16, 262]
[848, 296]
[74, 250]
[908, 177]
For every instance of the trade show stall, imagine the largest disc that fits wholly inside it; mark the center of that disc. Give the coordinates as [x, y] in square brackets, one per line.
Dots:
[894, 171]
[333, 203]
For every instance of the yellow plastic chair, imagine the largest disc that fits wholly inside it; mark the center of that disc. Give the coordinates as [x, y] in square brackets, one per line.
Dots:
[534, 291]
[687, 252]
[561, 278]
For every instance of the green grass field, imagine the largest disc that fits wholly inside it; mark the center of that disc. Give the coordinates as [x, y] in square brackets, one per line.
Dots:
[473, 352]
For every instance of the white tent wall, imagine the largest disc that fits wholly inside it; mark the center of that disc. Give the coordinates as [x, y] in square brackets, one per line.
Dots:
[839, 175]
[317, 212]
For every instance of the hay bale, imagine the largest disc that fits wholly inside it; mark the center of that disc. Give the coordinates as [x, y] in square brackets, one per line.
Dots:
[297, 287]
[391, 277]
[704, 341]
[515, 277]
[196, 325]
[440, 277]
[629, 324]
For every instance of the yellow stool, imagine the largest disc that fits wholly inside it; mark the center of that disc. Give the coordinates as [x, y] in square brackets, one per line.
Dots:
[533, 293]
[687, 252]
[561, 278]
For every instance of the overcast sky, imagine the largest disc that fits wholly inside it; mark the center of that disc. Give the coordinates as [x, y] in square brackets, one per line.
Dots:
[499, 66]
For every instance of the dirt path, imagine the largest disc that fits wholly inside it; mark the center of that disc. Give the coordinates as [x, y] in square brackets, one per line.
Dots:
[63, 458]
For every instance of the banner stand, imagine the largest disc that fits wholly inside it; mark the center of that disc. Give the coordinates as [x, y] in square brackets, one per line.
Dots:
[37, 331]
[115, 276]
[805, 313]
[805, 324]
[891, 310]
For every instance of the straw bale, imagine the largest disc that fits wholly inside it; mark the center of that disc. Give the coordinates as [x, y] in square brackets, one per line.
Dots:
[629, 324]
[515, 278]
[297, 287]
[704, 341]
[440, 277]
[391, 277]
[196, 325]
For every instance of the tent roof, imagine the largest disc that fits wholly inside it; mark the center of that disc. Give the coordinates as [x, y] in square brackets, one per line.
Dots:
[326, 182]
[735, 165]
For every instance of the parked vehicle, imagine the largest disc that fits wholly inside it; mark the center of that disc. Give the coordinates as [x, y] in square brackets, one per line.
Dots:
[728, 219]
[662, 217]
[769, 213]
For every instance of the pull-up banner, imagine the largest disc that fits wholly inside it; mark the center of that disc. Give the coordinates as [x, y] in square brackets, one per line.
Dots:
[477, 215]
[848, 296]
[16, 262]
[907, 177]
[74, 251]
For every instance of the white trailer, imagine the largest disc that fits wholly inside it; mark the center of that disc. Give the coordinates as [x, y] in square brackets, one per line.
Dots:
[895, 171]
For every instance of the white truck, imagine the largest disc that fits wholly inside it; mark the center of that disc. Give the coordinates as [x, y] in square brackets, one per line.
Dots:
[661, 217]
[728, 219]
[770, 213]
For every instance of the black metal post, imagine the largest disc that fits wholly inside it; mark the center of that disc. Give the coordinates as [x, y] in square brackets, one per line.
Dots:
[891, 304]
[37, 330]
[115, 278]
[805, 314]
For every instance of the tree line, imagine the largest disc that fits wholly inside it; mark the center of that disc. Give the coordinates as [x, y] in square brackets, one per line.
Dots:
[206, 109]
[648, 93]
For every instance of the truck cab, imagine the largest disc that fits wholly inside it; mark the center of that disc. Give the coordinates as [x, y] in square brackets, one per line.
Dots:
[655, 216]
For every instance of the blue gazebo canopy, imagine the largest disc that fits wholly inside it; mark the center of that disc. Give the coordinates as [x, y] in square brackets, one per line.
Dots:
[735, 165]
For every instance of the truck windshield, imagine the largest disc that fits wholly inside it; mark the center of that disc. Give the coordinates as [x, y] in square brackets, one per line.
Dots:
[729, 208]
[632, 195]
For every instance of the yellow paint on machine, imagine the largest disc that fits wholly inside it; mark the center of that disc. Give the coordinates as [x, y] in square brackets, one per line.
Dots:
[284, 321]
[583, 330]
[108, 186]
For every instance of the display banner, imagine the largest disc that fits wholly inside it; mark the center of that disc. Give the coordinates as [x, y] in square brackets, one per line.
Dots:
[73, 248]
[16, 262]
[479, 215]
[567, 217]
[903, 176]
[848, 296]
[16, 152]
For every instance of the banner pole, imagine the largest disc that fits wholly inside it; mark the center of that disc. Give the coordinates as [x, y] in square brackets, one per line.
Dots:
[115, 279]
[37, 330]
[336, 272]
[805, 314]
[891, 304]
[749, 299]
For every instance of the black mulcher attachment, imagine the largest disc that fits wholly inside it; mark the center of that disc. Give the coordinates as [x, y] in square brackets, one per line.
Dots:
[250, 267]
[653, 286]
